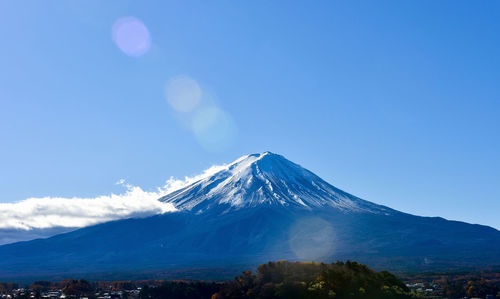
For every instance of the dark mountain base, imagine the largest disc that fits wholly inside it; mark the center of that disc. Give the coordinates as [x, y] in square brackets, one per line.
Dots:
[164, 245]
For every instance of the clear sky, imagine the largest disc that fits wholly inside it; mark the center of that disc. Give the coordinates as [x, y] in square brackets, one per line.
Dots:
[397, 102]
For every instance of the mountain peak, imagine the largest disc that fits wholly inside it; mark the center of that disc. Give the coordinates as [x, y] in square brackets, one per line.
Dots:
[255, 158]
[264, 179]
[266, 161]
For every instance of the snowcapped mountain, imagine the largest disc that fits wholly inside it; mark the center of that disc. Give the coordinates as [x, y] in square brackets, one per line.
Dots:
[265, 179]
[258, 208]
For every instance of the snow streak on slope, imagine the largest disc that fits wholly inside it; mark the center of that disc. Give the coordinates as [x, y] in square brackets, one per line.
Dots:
[265, 179]
[250, 181]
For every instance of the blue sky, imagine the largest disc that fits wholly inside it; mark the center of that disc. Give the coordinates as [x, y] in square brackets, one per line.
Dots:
[397, 102]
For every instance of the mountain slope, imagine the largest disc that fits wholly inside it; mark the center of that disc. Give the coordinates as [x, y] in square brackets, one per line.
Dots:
[260, 207]
[12, 235]
[266, 179]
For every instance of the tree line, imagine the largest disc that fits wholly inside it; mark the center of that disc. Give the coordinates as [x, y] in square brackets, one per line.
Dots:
[284, 279]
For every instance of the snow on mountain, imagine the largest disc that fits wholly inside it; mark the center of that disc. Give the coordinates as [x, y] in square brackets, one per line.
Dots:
[265, 179]
[258, 208]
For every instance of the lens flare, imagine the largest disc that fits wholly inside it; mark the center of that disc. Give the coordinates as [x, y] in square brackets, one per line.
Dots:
[183, 93]
[214, 129]
[312, 239]
[131, 36]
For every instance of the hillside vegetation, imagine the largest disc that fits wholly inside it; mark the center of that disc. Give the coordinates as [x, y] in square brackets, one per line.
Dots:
[295, 280]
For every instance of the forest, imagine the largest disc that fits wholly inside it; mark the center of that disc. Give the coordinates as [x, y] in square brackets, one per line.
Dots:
[279, 279]
[284, 279]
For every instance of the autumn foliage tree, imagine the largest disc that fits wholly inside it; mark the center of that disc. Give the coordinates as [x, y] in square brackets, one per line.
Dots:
[76, 287]
[315, 280]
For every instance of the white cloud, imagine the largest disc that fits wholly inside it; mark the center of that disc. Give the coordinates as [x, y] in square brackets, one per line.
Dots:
[47, 212]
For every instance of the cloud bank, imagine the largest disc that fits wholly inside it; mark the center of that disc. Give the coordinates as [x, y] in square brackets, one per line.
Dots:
[48, 212]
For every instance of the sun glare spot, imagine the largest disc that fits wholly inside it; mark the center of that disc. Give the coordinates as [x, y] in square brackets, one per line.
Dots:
[183, 93]
[312, 239]
[131, 36]
[214, 128]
